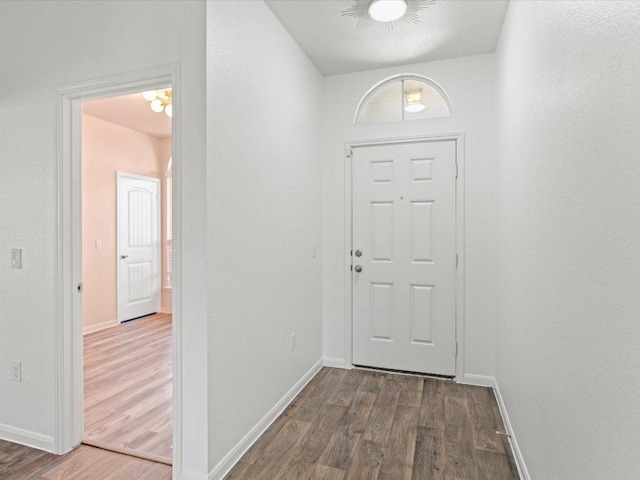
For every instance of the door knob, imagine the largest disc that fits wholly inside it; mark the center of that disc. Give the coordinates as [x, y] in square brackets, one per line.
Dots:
[358, 268]
[124, 256]
[358, 253]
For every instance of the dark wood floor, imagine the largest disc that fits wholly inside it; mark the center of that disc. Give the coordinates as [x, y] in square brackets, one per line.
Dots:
[84, 463]
[128, 388]
[359, 425]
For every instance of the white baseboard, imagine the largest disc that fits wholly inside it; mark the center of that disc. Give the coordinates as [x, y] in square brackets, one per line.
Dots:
[485, 381]
[335, 362]
[522, 468]
[225, 465]
[26, 437]
[189, 475]
[479, 380]
[100, 326]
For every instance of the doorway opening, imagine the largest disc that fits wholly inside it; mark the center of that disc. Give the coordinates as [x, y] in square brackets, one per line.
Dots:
[126, 206]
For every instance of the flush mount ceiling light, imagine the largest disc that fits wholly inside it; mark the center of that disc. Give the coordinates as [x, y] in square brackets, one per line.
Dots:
[413, 102]
[386, 13]
[387, 10]
[160, 100]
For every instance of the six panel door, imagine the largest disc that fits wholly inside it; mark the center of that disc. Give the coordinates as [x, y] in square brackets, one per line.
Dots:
[404, 228]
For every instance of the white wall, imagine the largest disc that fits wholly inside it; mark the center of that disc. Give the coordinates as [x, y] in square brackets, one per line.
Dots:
[469, 83]
[569, 252]
[44, 45]
[264, 214]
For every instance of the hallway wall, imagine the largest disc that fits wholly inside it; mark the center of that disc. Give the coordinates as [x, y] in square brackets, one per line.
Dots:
[568, 77]
[264, 215]
[45, 45]
[469, 84]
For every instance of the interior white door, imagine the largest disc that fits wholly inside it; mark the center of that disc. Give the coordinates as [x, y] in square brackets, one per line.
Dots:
[404, 229]
[138, 246]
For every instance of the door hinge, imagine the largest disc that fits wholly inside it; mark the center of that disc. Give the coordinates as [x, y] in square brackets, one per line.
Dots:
[456, 349]
[79, 287]
[456, 260]
[350, 153]
[456, 169]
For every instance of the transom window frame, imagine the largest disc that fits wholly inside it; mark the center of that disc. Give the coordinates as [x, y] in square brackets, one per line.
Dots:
[357, 119]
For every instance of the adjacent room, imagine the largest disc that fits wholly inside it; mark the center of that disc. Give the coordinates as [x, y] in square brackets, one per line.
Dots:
[126, 272]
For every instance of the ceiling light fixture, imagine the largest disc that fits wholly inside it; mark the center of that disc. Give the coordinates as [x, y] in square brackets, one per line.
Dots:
[387, 10]
[414, 102]
[160, 100]
[386, 13]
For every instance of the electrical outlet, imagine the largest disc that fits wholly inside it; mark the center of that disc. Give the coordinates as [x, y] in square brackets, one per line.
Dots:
[293, 342]
[16, 371]
[98, 244]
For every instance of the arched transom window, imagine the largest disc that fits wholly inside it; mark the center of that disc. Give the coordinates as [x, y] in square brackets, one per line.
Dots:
[403, 97]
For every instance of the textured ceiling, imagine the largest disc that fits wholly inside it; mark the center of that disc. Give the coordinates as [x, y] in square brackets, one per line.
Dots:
[448, 29]
[131, 111]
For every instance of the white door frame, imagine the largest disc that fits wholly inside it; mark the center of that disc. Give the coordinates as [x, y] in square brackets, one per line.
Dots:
[458, 138]
[119, 177]
[69, 415]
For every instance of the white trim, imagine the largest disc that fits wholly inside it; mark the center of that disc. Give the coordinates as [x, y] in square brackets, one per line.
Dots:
[190, 475]
[68, 422]
[227, 463]
[158, 240]
[336, 363]
[26, 437]
[348, 246]
[458, 138]
[479, 380]
[100, 326]
[522, 468]
[491, 382]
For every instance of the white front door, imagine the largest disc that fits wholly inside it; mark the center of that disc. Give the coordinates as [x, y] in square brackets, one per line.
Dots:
[404, 229]
[138, 246]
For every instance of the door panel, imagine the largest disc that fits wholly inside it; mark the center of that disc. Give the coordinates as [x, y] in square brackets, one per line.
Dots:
[421, 313]
[421, 231]
[382, 231]
[382, 311]
[404, 223]
[138, 246]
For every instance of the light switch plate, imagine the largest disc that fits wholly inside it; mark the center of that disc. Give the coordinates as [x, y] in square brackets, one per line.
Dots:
[16, 371]
[16, 258]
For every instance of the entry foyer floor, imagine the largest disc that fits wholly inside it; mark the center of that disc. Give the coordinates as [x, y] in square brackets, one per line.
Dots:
[357, 424]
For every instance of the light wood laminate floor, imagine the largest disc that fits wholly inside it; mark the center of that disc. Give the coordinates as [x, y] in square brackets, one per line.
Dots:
[128, 388]
[84, 463]
[357, 425]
